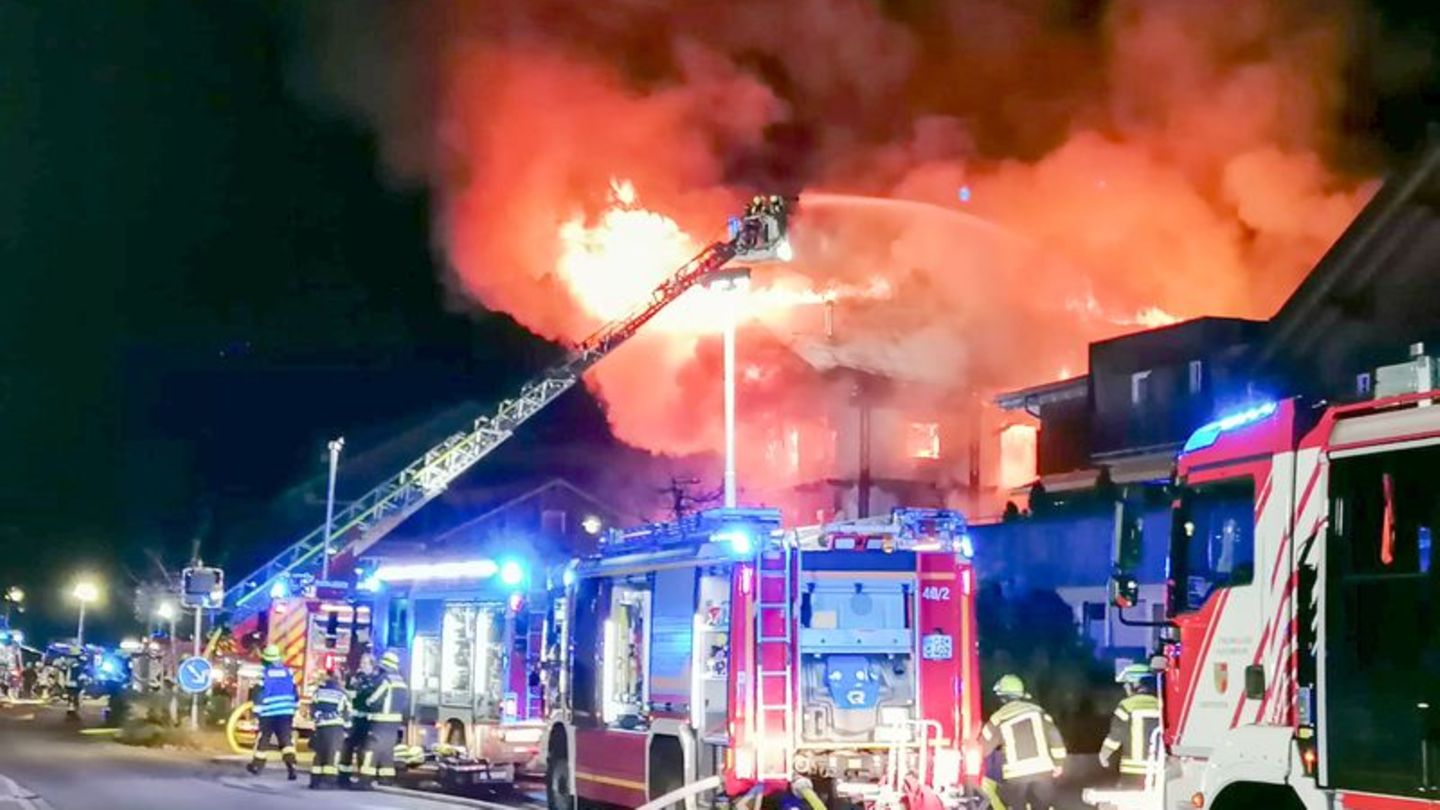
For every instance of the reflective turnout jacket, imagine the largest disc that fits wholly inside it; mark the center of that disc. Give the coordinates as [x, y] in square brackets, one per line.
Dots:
[1134, 722]
[276, 696]
[330, 707]
[390, 700]
[1027, 738]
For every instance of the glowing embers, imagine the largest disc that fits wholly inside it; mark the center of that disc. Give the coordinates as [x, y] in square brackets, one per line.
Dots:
[1207, 435]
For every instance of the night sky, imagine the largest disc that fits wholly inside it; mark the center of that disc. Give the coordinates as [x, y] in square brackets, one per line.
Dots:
[207, 277]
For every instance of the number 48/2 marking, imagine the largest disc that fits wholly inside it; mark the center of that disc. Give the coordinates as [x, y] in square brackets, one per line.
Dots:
[935, 593]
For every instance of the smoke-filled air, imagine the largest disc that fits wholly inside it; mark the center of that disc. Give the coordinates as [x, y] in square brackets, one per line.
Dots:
[985, 185]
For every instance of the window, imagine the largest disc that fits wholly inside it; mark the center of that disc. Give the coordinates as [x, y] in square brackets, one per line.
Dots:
[923, 440]
[1382, 621]
[1140, 388]
[553, 523]
[1213, 541]
[1197, 376]
[1363, 384]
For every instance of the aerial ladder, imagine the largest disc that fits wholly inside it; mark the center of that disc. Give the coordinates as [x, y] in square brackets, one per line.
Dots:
[759, 235]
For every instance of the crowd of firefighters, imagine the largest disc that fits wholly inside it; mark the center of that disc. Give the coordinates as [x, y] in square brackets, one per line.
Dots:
[359, 722]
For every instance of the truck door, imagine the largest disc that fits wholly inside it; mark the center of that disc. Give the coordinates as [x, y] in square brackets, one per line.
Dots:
[1380, 666]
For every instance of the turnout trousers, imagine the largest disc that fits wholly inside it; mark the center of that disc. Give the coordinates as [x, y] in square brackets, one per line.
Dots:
[377, 762]
[277, 733]
[1028, 792]
[351, 750]
[327, 744]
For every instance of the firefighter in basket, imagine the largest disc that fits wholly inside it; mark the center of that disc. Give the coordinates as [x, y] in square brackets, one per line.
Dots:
[276, 701]
[1032, 750]
[1132, 726]
[330, 709]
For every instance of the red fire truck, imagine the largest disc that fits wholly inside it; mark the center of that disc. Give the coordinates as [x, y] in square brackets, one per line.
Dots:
[723, 646]
[1303, 661]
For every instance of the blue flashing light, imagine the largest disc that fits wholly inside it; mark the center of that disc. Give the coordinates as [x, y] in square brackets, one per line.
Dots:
[964, 194]
[1207, 435]
[511, 573]
[733, 226]
[741, 542]
[279, 590]
[967, 546]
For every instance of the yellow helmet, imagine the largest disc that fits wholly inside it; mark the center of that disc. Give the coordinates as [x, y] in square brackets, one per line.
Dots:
[271, 654]
[391, 661]
[1010, 686]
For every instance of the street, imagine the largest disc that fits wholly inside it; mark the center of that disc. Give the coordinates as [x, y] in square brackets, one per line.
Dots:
[48, 757]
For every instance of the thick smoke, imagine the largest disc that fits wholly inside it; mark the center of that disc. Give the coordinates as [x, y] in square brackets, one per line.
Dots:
[1076, 169]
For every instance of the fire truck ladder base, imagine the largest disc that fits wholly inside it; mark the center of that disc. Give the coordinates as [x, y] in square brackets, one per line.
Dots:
[774, 745]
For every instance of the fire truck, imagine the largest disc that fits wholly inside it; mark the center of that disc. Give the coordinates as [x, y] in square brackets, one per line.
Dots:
[1302, 666]
[723, 649]
[473, 636]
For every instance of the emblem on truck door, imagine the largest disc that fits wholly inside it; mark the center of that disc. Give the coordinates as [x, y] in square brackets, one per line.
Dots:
[1222, 677]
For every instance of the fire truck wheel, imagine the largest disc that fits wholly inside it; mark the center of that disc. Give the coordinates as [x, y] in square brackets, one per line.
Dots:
[557, 783]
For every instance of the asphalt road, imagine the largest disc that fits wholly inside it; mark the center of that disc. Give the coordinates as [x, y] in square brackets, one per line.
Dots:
[43, 756]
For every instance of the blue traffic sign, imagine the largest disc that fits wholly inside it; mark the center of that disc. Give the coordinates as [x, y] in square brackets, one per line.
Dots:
[194, 675]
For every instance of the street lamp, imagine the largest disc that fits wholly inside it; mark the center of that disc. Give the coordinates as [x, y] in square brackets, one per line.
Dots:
[731, 282]
[14, 598]
[84, 592]
[336, 445]
[168, 612]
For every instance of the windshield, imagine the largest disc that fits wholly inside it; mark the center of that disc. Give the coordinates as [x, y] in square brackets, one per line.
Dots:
[1212, 542]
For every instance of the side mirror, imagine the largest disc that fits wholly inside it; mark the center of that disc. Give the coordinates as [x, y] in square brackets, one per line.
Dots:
[1125, 557]
[1159, 663]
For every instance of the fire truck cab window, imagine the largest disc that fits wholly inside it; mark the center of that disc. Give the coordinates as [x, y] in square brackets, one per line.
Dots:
[1381, 603]
[624, 678]
[1214, 541]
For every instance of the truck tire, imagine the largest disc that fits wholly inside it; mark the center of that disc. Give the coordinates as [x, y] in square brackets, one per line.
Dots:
[557, 783]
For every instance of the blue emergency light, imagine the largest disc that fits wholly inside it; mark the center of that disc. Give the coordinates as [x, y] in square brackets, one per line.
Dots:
[1207, 435]
[512, 572]
[742, 542]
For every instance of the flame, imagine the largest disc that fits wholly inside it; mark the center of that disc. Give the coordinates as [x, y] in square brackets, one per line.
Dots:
[615, 262]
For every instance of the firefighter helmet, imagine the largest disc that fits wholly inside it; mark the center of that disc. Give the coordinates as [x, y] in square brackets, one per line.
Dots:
[1135, 675]
[1010, 686]
[271, 654]
[390, 661]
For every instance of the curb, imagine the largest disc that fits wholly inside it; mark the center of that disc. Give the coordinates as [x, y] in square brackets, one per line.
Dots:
[445, 798]
[21, 797]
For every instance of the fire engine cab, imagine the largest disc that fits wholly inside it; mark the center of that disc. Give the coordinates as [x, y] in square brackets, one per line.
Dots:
[722, 647]
[1302, 667]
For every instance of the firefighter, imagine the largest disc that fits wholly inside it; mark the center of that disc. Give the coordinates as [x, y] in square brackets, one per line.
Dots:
[275, 702]
[330, 709]
[1135, 720]
[386, 708]
[359, 687]
[73, 679]
[1032, 750]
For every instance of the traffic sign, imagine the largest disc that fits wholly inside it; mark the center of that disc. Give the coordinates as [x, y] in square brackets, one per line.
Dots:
[194, 675]
[202, 587]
